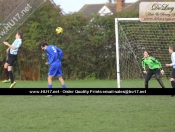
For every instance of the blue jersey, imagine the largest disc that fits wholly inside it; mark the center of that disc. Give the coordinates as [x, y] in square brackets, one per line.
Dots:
[54, 54]
[17, 43]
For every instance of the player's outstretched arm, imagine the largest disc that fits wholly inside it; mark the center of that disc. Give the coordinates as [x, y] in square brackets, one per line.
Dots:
[143, 66]
[10, 46]
[7, 50]
[160, 65]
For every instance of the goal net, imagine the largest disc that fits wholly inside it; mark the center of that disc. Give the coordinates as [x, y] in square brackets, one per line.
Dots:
[132, 38]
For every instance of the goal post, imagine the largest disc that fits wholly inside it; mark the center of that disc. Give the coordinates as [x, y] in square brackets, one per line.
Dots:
[117, 45]
[132, 38]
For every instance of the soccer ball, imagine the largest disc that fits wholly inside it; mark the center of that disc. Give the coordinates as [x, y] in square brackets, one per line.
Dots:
[59, 30]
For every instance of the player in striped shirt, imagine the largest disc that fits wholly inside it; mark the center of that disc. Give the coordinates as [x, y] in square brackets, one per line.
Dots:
[154, 68]
[12, 57]
[172, 52]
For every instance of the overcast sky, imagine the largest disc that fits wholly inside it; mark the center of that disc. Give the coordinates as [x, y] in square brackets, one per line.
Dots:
[75, 5]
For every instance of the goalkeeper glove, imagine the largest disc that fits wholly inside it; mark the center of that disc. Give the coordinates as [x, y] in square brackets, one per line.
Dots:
[162, 72]
[144, 71]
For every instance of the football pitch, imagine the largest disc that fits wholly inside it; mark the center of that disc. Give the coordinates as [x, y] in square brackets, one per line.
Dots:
[86, 113]
[89, 84]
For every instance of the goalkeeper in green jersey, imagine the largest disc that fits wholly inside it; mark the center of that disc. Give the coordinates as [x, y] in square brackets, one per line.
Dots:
[154, 68]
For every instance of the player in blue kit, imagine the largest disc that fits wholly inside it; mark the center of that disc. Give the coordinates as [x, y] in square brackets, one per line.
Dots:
[55, 56]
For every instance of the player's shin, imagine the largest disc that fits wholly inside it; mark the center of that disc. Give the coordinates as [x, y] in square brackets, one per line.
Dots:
[7, 74]
[11, 76]
[62, 82]
[147, 78]
[160, 81]
[49, 81]
[146, 84]
[173, 84]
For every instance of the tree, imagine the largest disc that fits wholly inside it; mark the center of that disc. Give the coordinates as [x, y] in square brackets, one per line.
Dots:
[88, 46]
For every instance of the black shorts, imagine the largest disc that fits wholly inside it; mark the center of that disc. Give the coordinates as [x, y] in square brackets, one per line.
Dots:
[154, 71]
[173, 74]
[11, 59]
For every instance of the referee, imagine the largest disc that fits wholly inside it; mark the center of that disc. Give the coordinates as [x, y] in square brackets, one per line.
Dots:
[12, 57]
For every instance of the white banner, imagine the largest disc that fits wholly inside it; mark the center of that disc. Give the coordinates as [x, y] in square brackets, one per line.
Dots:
[157, 11]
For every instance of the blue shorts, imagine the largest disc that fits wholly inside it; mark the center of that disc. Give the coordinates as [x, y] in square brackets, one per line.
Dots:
[55, 69]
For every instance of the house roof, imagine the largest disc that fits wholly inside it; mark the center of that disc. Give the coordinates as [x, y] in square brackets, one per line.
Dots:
[135, 6]
[89, 9]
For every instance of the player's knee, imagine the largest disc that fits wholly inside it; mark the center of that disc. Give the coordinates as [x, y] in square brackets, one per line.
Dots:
[9, 68]
[60, 78]
[49, 77]
[158, 77]
[146, 80]
[171, 79]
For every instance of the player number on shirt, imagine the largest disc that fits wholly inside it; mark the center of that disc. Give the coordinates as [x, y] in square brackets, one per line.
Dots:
[54, 49]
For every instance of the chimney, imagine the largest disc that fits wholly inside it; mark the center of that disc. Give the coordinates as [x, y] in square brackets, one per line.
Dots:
[120, 4]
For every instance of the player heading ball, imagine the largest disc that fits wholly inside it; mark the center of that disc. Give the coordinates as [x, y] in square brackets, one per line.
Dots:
[55, 55]
[154, 66]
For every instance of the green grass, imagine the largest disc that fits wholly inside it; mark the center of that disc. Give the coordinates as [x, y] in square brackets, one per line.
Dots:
[86, 113]
[89, 84]
[138, 83]
[69, 84]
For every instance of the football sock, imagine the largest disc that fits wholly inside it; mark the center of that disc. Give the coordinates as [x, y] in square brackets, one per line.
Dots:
[173, 84]
[11, 76]
[146, 84]
[49, 86]
[64, 86]
[7, 74]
